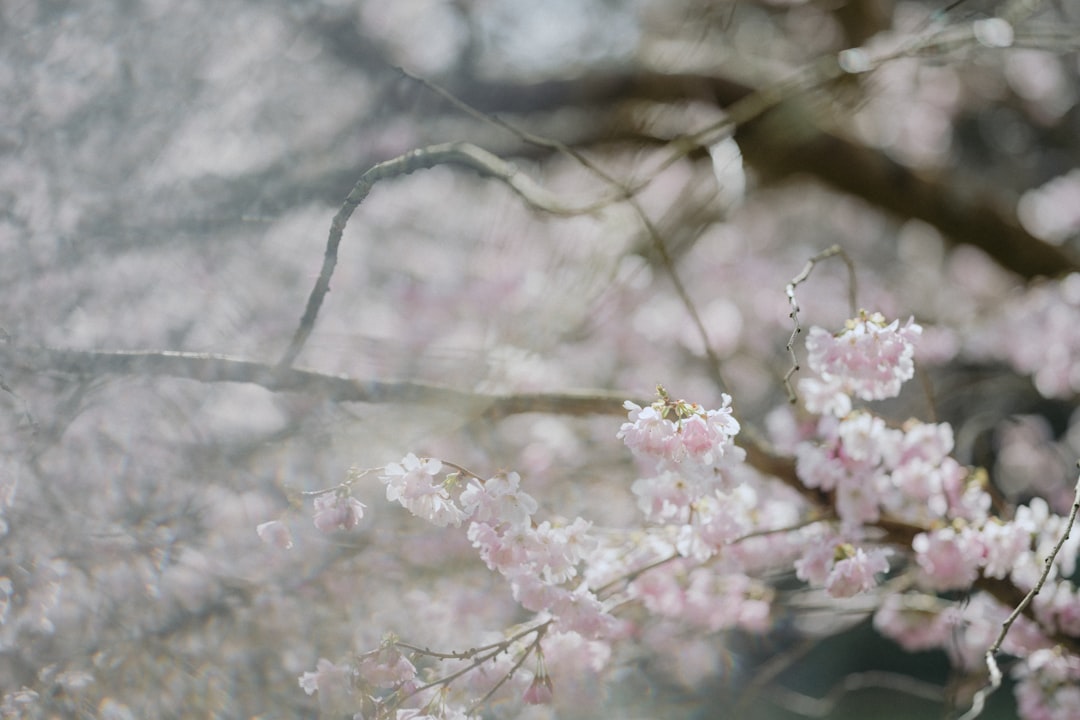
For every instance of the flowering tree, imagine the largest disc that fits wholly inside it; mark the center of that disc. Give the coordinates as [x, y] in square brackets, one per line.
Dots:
[643, 358]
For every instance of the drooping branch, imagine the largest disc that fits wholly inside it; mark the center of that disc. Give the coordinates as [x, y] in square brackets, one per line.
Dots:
[460, 153]
[979, 219]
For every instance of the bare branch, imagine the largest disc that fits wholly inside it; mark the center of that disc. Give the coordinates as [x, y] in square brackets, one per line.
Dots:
[338, 388]
[464, 154]
[803, 275]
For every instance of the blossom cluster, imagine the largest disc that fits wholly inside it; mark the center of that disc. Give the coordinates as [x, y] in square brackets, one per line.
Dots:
[843, 569]
[540, 561]
[537, 558]
[906, 472]
[870, 359]
[692, 471]
[702, 597]
[699, 500]
[713, 525]
[1047, 675]
[1043, 342]
[683, 438]
[874, 473]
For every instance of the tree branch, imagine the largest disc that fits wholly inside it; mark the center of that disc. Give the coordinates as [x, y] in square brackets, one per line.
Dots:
[460, 153]
[338, 388]
[220, 368]
[782, 140]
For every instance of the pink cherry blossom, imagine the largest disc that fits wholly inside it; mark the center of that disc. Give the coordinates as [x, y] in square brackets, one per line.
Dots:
[825, 397]
[648, 433]
[540, 690]
[717, 519]
[337, 512]
[1058, 605]
[559, 548]
[816, 562]
[411, 484]
[498, 500]
[1042, 342]
[660, 590]
[683, 437]
[949, 558]
[917, 622]
[532, 593]
[1049, 686]
[410, 479]
[1004, 544]
[717, 601]
[665, 497]
[386, 667]
[580, 611]
[870, 359]
[328, 679]
[857, 573]
[334, 684]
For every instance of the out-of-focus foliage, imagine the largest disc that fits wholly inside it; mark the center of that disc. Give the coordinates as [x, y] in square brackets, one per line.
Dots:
[168, 174]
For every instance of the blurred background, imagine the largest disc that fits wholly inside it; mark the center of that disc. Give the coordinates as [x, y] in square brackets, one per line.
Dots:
[168, 174]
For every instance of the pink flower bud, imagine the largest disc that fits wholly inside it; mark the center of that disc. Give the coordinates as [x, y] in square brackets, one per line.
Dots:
[540, 691]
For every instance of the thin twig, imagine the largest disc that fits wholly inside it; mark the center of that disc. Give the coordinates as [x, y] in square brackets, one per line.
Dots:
[978, 703]
[833, 251]
[632, 575]
[533, 647]
[769, 671]
[823, 707]
[638, 572]
[479, 657]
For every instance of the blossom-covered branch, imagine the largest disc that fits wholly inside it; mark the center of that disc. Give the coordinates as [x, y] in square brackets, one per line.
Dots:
[713, 526]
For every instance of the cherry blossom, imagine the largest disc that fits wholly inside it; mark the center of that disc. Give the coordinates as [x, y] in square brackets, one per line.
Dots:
[856, 572]
[869, 359]
[180, 389]
[683, 438]
[333, 683]
[327, 675]
[334, 511]
[498, 499]
[411, 484]
[916, 622]
[1043, 341]
[712, 522]
[386, 667]
[540, 691]
[1004, 544]
[949, 558]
